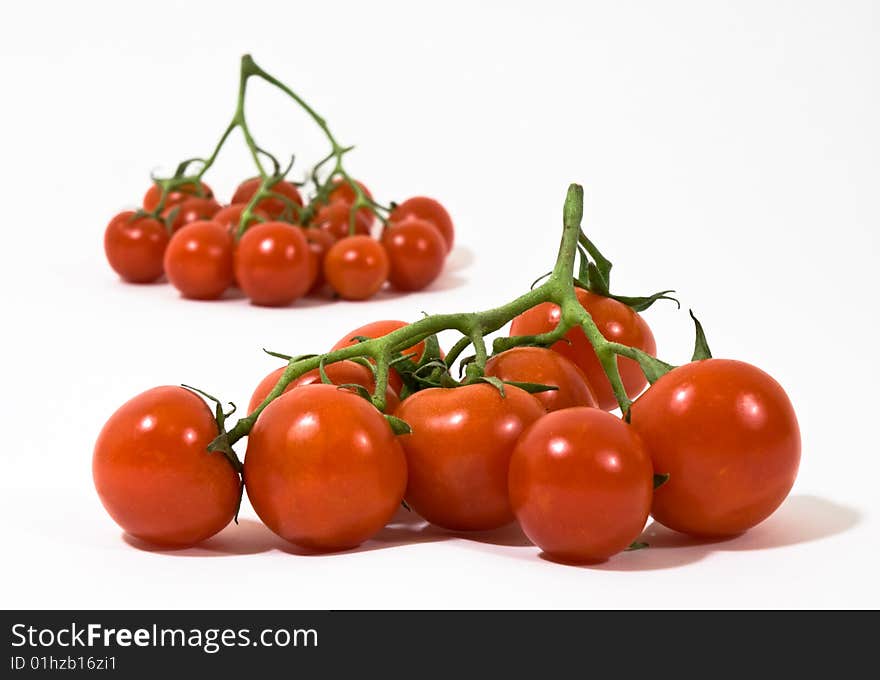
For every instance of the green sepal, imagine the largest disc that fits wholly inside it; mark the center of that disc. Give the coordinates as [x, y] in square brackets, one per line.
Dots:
[701, 346]
[660, 480]
[652, 367]
[603, 264]
[360, 390]
[637, 545]
[497, 383]
[532, 388]
[640, 304]
[398, 425]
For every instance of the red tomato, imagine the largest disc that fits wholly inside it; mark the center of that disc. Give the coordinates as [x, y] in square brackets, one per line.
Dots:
[728, 437]
[272, 264]
[229, 217]
[378, 329]
[459, 452]
[581, 484]
[135, 247]
[356, 267]
[192, 210]
[342, 191]
[154, 474]
[320, 242]
[175, 197]
[428, 209]
[335, 219]
[323, 469]
[273, 207]
[198, 260]
[545, 367]
[416, 252]
[616, 322]
[339, 373]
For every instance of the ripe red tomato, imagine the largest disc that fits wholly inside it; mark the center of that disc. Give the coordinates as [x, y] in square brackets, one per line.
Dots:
[546, 367]
[616, 322]
[428, 209]
[459, 452]
[581, 484]
[728, 436]
[175, 197]
[323, 469]
[229, 216]
[339, 373]
[356, 267]
[135, 247]
[198, 260]
[335, 219]
[154, 474]
[192, 210]
[416, 252]
[272, 264]
[273, 207]
[378, 329]
[320, 242]
[342, 191]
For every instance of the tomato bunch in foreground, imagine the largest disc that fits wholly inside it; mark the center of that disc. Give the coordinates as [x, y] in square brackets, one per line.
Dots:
[277, 258]
[324, 469]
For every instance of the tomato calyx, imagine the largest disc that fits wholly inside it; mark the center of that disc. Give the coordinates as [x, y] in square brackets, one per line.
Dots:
[701, 345]
[660, 479]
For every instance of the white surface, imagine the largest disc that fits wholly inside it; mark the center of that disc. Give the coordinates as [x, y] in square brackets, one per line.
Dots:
[729, 150]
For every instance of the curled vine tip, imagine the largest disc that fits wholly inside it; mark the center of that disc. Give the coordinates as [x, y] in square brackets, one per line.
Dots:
[573, 211]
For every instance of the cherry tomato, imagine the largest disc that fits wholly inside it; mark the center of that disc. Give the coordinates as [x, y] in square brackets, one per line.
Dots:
[356, 267]
[192, 210]
[342, 191]
[272, 264]
[545, 367]
[428, 209]
[273, 207]
[335, 219]
[728, 437]
[339, 373]
[175, 197]
[320, 242]
[154, 474]
[229, 217]
[135, 247]
[198, 260]
[323, 469]
[459, 452]
[580, 484]
[378, 329]
[416, 252]
[616, 322]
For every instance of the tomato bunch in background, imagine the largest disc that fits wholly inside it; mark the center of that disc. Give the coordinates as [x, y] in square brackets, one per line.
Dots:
[278, 240]
[204, 250]
[524, 430]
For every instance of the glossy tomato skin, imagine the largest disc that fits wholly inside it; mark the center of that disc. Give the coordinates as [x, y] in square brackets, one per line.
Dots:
[378, 329]
[273, 265]
[154, 474]
[198, 260]
[428, 209]
[545, 367]
[356, 267]
[320, 242]
[728, 436]
[176, 197]
[192, 210]
[339, 373]
[335, 219]
[229, 216]
[581, 484]
[416, 252]
[135, 247]
[459, 451]
[273, 207]
[323, 469]
[616, 322]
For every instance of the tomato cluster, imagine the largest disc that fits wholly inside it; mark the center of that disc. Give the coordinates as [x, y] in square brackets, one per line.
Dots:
[324, 469]
[285, 250]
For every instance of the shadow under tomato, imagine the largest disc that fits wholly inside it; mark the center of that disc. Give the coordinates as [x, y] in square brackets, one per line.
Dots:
[803, 518]
[248, 537]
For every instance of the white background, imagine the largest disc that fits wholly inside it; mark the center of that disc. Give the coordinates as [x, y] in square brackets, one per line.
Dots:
[728, 150]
